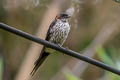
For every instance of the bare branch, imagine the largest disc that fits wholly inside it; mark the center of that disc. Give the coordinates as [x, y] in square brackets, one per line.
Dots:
[61, 49]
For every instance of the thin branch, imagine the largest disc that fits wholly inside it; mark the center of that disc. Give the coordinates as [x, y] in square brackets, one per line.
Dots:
[61, 49]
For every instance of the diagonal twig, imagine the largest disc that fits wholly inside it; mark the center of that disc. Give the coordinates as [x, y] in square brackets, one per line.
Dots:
[56, 47]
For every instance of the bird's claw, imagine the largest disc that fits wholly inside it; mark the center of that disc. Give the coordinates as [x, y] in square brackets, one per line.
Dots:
[59, 45]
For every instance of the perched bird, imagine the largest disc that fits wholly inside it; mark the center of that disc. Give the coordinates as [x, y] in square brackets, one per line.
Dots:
[57, 34]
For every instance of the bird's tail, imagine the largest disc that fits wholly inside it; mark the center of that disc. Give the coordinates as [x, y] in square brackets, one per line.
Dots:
[39, 61]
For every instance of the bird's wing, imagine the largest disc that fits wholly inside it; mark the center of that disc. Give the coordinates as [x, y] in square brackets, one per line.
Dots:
[39, 61]
[43, 54]
[50, 31]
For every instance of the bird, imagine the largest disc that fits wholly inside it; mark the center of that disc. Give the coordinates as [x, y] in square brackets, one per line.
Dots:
[57, 33]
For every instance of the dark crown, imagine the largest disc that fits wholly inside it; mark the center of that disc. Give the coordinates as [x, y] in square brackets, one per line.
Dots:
[64, 15]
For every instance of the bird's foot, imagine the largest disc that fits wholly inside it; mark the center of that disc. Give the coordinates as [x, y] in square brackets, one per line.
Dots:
[59, 45]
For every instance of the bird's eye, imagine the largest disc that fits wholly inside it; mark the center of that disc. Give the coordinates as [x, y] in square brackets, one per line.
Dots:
[64, 15]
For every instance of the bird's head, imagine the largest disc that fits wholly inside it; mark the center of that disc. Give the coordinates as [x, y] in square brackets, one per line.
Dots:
[63, 16]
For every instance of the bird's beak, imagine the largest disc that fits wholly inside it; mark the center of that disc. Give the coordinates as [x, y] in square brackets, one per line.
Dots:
[57, 17]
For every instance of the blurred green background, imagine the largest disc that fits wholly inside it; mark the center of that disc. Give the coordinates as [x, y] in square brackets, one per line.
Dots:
[94, 32]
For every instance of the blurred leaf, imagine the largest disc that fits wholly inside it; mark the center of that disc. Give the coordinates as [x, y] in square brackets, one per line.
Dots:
[104, 56]
[108, 60]
[112, 76]
[117, 1]
[113, 53]
[1, 68]
[70, 76]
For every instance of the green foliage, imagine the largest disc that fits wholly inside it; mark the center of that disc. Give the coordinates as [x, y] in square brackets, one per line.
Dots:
[1, 68]
[104, 56]
[84, 43]
[2, 11]
[117, 1]
[70, 76]
[109, 58]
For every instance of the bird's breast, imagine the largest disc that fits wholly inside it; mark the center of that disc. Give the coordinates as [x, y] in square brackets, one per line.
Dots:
[62, 28]
[60, 32]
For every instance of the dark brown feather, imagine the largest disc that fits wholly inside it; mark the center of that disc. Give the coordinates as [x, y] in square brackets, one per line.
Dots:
[39, 61]
[43, 54]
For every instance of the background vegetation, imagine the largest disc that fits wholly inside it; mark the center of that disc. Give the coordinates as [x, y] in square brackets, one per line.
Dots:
[94, 32]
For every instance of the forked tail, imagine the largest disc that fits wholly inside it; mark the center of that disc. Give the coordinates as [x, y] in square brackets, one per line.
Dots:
[39, 61]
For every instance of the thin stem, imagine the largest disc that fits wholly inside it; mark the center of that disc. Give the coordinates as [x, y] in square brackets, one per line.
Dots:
[61, 49]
